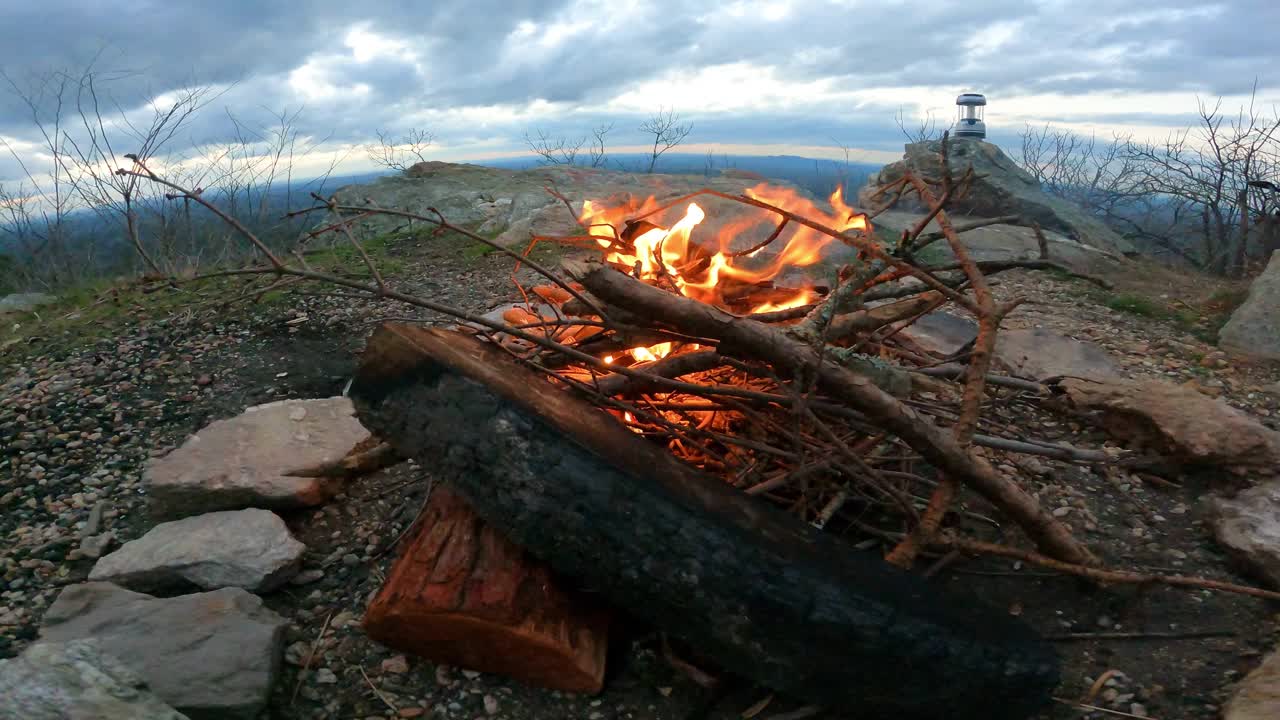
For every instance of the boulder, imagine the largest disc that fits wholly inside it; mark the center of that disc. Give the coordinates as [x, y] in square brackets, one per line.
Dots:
[24, 302]
[211, 655]
[250, 549]
[1248, 526]
[1177, 422]
[1257, 697]
[1254, 328]
[73, 680]
[260, 458]
[999, 188]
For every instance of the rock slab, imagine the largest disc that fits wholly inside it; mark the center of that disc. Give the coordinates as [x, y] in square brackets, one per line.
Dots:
[1177, 422]
[213, 655]
[250, 549]
[73, 680]
[1040, 354]
[1257, 697]
[259, 458]
[1248, 526]
[1254, 328]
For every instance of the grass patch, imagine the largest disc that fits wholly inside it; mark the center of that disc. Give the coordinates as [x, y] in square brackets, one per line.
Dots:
[1138, 305]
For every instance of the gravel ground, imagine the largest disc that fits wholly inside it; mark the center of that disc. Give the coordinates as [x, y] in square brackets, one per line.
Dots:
[78, 419]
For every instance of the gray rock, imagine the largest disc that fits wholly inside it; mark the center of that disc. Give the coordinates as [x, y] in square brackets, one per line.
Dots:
[94, 545]
[250, 549]
[24, 302]
[1039, 354]
[259, 458]
[73, 680]
[999, 188]
[1257, 697]
[1248, 526]
[942, 333]
[1254, 328]
[211, 655]
[1033, 353]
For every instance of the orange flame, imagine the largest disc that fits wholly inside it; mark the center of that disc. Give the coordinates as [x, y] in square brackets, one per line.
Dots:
[720, 273]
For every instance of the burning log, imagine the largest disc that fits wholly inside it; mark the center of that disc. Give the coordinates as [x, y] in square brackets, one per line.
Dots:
[746, 338]
[756, 590]
[461, 594]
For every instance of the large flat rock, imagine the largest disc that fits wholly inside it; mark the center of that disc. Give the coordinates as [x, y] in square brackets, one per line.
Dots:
[75, 681]
[1254, 328]
[1257, 697]
[255, 459]
[250, 549]
[1041, 354]
[213, 655]
[1248, 526]
[1033, 353]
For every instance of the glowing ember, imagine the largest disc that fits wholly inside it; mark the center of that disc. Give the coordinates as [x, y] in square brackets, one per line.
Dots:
[715, 272]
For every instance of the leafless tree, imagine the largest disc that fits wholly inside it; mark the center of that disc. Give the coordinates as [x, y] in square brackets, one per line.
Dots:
[565, 151]
[667, 131]
[402, 153]
[553, 151]
[924, 130]
[1209, 167]
[597, 150]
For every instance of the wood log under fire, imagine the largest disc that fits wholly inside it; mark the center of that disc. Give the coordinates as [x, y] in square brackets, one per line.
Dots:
[754, 589]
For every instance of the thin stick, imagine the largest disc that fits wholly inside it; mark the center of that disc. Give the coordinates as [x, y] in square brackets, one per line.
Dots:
[1095, 708]
[311, 655]
[979, 547]
[1194, 634]
[376, 691]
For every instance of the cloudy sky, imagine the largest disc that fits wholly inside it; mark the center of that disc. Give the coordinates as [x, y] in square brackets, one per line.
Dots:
[766, 77]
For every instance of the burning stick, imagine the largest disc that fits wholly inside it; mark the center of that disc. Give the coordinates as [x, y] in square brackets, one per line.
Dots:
[787, 355]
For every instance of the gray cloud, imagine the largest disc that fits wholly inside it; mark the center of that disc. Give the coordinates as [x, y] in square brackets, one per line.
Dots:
[458, 54]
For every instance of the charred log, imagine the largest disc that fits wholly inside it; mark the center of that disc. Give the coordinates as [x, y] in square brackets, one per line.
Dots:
[756, 590]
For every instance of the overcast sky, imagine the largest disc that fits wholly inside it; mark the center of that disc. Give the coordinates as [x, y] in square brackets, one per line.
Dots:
[785, 76]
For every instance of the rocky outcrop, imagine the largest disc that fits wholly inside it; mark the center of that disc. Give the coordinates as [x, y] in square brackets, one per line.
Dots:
[1000, 242]
[1248, 526]
[258, 459]
[250, 549]
[999, 188]
[1177, 422]
[510, 205]
[1257, 697]
[73, 680]
[213, 655]
[1254, 328]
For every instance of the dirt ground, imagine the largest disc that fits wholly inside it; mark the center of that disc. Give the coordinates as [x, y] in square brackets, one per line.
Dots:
[79, 419]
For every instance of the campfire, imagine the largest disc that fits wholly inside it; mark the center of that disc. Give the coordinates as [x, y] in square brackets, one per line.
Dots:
[624, 422]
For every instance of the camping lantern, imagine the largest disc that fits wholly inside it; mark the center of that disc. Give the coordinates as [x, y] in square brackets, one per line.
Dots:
[969, 122]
